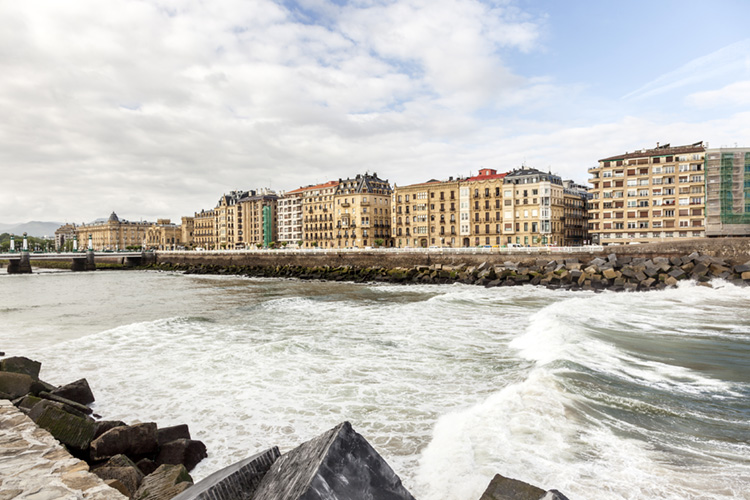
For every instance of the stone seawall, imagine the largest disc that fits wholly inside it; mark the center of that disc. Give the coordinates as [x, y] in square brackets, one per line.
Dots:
[733, 250]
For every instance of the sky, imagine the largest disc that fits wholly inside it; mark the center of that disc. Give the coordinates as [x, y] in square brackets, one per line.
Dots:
[155, 108]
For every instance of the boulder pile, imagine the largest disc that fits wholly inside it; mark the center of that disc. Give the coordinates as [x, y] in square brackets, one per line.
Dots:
[142, 461]
[611, 272]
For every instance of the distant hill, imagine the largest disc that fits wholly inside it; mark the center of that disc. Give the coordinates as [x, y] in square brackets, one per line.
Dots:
[35, 228]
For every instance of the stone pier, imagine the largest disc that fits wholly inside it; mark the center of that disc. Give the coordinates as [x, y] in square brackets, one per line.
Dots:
[34, 465]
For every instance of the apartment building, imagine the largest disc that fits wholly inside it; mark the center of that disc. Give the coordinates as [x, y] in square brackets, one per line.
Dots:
[648, 195]
[289, 215]
[533, 208]
[426, 214]
[188, 228]
[258, 226]
[575, 214]
[727, 191]
[204, 229]
[228, 221]
[362, 212]
[484, 194]
[64, 237]
[317, 215]
[164, 235]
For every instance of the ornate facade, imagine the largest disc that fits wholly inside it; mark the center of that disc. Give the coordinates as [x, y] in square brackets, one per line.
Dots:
[114, 234]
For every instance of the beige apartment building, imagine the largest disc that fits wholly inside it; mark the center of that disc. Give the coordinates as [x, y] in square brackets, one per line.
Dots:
[204, 230]
[188, 228]
[164, 235]
[484, 193]
[228, 221]
[362, 212]
[727, 192]
[533, 208]
[648, 195]
[114, 234]
[426, 214]
[317, 215]
[64, 237]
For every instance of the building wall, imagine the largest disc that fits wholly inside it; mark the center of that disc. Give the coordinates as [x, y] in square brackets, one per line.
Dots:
[727, 192]
[648, 195]
[260, 224]
[115, 234]
[362, 212]
[317, 215]
[289, 217]
[204, 230]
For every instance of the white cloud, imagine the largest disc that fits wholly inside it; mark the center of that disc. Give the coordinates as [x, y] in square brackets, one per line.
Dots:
[734, 95]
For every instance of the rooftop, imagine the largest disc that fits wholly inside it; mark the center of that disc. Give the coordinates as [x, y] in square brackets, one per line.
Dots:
[664, 150]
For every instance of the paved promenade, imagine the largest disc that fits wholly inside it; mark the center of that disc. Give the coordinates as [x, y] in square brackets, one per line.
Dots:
[34, 466]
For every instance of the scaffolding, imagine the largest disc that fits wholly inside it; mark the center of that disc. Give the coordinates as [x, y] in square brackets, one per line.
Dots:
[735, 188]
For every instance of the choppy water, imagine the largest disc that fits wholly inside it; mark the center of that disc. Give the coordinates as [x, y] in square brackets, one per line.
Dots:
[603, 396]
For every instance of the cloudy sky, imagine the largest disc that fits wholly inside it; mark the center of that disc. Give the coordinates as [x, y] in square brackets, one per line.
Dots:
[154, 108]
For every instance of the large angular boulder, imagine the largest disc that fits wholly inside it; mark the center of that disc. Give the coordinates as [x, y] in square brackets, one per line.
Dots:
[15, 385]
[78, 391]
[239, 480]
[167, 434]
[187, 452]
[505, 488]
[339, 464]
[164, 483]
[123, 470]
[131, 440]
[71, 430]
[20, 364]
[68, 402]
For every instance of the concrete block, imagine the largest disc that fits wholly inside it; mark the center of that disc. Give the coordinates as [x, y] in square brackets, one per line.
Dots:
[238, 481]
[337, 465]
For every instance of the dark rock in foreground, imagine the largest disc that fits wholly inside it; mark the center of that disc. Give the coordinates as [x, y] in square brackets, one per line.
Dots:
[164, 483]
[20, 364]
[78, 391]
[132, 440]
[505, 488]
[339, 464]
[238, 481]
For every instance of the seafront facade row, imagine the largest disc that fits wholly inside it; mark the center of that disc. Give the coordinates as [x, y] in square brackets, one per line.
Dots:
[681, 192]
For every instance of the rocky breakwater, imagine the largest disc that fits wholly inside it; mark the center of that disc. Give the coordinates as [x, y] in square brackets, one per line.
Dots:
[140, 461]
[608, 272]
[337, 465]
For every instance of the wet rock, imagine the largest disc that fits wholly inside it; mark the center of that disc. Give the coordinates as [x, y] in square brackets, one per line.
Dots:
[122, 469]
[15, 385]
[54, 397]
[239, 480]
[554, 495]
[164, 483]
[26, 403]
[39, 408]
[71, 430]
[132, 440]
[187, 452]
[103, 426]
[78, 391]
[147, 466]
[167, 434]
[339, 464]
[504, 488]
[20, 364]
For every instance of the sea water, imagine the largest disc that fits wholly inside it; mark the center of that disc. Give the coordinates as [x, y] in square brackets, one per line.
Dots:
[602, 396]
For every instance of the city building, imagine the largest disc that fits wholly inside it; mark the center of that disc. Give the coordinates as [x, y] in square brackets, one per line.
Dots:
[258, 226]
[533, 208]
[228, 221]
[426, 214]
[484, 194]
[575, 214]
[317, 215]
[361, 214]
[204, 230]
[727, 192]
[113, 234]
[648, 195]
[64, 237]
[188, 228]
[289, 216]
[164, 235]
